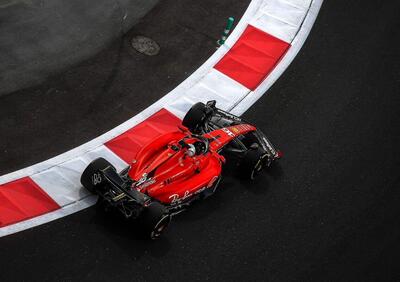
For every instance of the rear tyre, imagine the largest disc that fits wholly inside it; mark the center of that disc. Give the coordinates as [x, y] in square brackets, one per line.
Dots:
[91, 177]
[195, 117]
[154, 220]
[252, 163]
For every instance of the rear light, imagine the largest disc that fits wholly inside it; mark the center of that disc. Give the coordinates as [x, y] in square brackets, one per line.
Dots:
[278, 154]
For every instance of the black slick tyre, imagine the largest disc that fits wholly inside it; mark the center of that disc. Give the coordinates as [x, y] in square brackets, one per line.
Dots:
[195, 117]
[252, 163]
[154, 220]
[91, 177]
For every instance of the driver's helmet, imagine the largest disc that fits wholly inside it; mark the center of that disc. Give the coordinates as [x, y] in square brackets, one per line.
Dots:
[191, 150]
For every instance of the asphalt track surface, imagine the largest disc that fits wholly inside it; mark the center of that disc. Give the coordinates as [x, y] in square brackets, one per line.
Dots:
[329, 212]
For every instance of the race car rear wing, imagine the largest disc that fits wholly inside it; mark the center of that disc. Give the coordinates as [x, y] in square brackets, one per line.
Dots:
[120, 185]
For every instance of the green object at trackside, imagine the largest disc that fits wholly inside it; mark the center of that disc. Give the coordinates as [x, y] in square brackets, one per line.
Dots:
[226, 32]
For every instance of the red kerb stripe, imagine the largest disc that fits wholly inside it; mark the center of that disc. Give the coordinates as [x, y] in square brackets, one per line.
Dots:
[253, 57]
[128, 144]
[23, 199]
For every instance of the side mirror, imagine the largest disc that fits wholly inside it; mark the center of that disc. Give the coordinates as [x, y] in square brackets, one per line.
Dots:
[211, 103]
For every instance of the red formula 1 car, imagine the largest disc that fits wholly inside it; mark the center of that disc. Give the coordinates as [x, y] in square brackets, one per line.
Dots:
[179, 167]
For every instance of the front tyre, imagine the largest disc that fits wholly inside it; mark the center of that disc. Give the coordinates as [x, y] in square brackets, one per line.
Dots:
[154, 220]
[91, 177]
[252, 163]
[195, 117]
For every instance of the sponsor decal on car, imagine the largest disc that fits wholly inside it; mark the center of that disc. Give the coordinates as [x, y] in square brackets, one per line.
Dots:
[176, 199]
[96, 179]
[227, 131]
[212, 181]
[268, 145]
[200, 190]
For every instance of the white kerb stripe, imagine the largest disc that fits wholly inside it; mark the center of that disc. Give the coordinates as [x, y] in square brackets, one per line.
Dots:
[281, 18]
[62, 182]
[213, 86]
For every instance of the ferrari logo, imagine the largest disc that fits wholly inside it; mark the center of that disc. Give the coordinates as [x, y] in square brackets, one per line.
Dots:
[234, 129]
